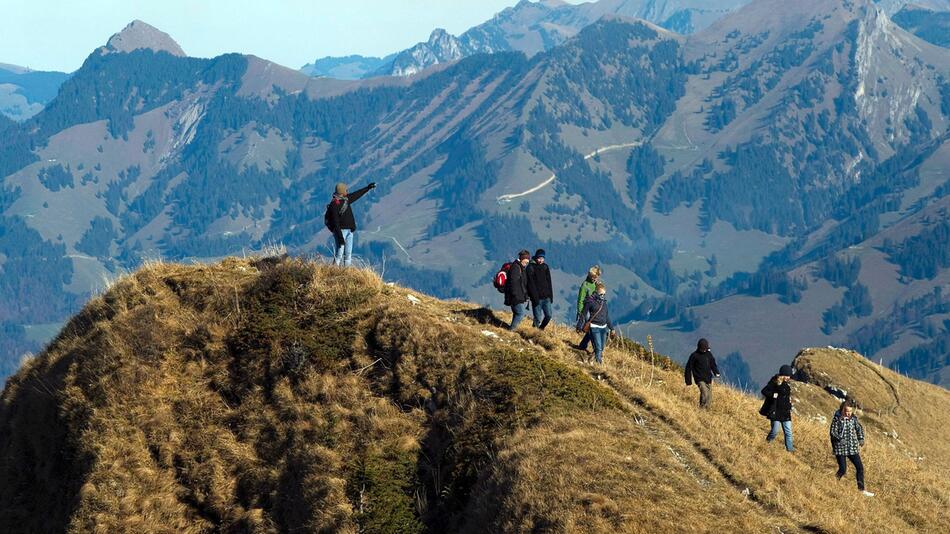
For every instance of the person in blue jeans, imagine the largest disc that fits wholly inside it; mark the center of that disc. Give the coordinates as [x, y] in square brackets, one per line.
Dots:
[341, 222]
[778, 406]
[596, 317]
[587, 289]
[516, 289]
[540, 290]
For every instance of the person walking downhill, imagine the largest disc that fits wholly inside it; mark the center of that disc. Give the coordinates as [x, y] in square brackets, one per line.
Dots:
[340, 221]
[701, 368]
[595, 320]
[778, 406]
[587, 289]
[540, 290]
[847, 438]
[516, 289]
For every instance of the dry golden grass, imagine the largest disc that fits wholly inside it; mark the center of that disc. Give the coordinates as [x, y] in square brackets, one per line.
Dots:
[280, 395]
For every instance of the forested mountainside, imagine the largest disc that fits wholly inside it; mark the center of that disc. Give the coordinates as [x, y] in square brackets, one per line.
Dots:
[930, 25]
[24, 92]
[787, 164]
[279, 395]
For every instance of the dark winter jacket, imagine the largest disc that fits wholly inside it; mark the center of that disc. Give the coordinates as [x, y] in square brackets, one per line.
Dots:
[847, 435]
[539, 282]
[595, 309]
[341, 212]
[701, 367]
[777, 409]
[516, 286]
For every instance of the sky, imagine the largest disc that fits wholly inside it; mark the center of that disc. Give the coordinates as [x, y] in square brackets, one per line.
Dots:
[59, 34]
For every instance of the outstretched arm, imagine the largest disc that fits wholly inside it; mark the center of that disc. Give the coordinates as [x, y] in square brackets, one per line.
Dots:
[355, 195]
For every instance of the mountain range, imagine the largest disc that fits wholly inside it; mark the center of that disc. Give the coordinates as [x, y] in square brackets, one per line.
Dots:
[785, 166]
[531, 27]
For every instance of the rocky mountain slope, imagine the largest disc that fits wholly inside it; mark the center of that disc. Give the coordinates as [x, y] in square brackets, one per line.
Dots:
[788, 163]
[279, 395]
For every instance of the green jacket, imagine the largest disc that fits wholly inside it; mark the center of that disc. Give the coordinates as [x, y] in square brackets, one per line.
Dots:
[587, 289]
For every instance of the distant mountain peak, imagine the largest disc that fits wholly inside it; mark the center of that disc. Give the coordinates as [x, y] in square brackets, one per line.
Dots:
[138, 35]
[438, 33]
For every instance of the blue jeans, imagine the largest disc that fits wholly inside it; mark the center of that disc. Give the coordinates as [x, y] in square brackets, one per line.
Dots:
[543, 305]
[786, 427]
[599, 337]
[344, 250]
[518, 312]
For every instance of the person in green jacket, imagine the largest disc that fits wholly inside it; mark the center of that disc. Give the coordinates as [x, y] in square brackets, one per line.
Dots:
[588, 286]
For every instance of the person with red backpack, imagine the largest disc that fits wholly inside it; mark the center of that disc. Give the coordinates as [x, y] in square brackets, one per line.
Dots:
[516, 288]
[340, 221]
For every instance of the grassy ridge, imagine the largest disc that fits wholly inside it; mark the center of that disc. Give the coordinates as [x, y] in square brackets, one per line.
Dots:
[281, 395]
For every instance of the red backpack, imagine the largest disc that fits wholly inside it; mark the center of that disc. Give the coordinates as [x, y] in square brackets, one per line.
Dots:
[501, 277]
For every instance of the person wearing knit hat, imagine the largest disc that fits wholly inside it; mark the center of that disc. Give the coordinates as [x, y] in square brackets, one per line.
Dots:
[516, 289]
[540, 290]
[701, 368]
[778, 406]
[340, 221]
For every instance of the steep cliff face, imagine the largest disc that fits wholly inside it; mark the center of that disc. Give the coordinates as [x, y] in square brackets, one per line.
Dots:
[277, 395]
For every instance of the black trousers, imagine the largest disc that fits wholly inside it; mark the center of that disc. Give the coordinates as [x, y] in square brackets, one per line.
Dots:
[858, 467]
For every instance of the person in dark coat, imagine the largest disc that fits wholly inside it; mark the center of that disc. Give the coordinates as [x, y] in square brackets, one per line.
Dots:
[540, 290]
[342, 223]
[778, 406]
[596, 313]
[516, 289]
[701, 368]
[847, 438]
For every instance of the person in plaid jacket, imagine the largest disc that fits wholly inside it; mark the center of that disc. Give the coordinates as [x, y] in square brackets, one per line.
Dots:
[847, 438]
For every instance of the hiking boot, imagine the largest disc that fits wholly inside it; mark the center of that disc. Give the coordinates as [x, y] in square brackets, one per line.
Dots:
[867, 493]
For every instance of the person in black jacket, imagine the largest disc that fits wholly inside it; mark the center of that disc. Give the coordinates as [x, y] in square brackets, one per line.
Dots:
[540, 290]
[778, 405]
[516, 289]
[701, 367]
[341, 222]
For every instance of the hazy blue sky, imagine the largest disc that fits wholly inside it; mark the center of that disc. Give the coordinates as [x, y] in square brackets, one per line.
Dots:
[59, 34]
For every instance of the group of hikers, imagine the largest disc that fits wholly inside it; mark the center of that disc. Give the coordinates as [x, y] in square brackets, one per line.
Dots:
[527, 282]
[846, 432]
